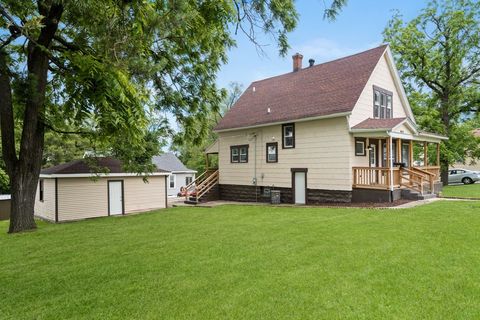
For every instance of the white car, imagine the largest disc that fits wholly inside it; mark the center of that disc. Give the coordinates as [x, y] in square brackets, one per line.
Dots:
[463, 176]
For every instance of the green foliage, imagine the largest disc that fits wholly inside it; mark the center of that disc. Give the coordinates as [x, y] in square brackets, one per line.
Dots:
[438, 57]
[192, 151]
[4, 182]
[113, 62]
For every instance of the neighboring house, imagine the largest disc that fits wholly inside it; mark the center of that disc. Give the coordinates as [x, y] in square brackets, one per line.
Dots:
[180, 175]
[469, 164]
[339, 131]
[71, 191]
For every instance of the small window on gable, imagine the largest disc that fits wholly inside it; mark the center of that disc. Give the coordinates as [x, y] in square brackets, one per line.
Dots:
[288, 136]
[239, 154]
[360, 147]
[272, 152]
[382, 103]
[41, 191]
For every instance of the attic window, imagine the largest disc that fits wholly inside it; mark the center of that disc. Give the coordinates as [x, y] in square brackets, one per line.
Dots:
[382, 103]
[288, 136]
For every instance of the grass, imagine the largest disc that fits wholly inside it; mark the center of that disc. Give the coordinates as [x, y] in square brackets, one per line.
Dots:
[248, 262]
[462, 191]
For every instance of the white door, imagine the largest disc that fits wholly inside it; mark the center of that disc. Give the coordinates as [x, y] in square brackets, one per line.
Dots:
[300, 187]
[115, 200]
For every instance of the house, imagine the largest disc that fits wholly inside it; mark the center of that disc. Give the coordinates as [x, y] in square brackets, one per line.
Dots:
[180, 175]
[71, 191]
[339, 131]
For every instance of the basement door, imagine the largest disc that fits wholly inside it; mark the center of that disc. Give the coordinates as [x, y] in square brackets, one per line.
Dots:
[299, 181]
[115, 197]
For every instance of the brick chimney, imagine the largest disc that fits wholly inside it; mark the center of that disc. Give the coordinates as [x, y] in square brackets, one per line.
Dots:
[297, 61]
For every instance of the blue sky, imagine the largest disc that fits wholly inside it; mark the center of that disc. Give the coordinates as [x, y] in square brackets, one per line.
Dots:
[358, 27]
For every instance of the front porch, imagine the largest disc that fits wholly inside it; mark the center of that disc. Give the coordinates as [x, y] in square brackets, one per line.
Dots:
[395, 163]
[393, 156]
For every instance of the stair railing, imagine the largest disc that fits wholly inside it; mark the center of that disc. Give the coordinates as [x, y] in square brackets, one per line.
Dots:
[415, 180]
[207, 185]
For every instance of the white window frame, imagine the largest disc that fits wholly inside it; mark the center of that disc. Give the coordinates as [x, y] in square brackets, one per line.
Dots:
[284, 136]
[174, 181]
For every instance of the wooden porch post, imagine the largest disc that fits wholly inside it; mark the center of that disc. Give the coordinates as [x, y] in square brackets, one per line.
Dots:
[206, 161]
[438, 154]
[399, 150]
[410, 154]
[425, 153]
[388, 151]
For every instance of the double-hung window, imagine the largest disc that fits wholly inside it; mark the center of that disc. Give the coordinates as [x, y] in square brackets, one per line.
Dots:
[172, 181]
[239, 154]
[288, 136]
[382, 103]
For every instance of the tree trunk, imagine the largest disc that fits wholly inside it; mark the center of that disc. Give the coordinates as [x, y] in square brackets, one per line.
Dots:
[23, 189]
[24, 170]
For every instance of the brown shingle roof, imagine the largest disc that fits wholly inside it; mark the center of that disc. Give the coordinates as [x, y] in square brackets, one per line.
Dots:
[85, 166]
[325, 89]
[379, 123]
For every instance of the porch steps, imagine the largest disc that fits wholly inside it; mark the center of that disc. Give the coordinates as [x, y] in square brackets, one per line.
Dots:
[414, 195]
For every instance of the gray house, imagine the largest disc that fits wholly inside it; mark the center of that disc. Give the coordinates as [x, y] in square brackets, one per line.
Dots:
[180, 175]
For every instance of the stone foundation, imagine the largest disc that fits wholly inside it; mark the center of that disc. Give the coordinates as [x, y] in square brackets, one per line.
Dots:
[245, 193]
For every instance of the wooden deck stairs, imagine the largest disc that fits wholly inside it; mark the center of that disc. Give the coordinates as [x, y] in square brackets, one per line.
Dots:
[201, 187]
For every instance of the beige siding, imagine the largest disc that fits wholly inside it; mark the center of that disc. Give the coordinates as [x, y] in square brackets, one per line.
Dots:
[140, 196]
[381, 77]
[322, 146]
[404, 129]
[46, 209]
[80, 198]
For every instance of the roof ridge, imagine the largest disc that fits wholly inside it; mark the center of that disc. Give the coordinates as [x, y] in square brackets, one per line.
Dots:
[318, 65]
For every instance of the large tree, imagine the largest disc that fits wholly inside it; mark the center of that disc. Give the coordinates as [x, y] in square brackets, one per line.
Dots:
[438, 57]
[98, 66]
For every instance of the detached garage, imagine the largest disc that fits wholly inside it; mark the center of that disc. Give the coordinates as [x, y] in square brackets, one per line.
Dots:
[71, 191]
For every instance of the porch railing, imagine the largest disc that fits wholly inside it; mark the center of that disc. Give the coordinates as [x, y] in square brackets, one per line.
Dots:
[416, 178]
[375, 177]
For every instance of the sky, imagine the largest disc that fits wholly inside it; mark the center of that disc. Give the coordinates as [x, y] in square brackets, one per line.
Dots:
[357, 28]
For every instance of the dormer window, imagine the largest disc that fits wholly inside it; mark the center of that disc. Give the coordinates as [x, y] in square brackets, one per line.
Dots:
[288, 136]
[382, 103]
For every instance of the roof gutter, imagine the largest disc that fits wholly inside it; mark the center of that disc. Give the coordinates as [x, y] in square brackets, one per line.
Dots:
[333, 115]
[101, 175]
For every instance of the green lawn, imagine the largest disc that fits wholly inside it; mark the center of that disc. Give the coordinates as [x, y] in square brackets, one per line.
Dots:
[241, 262]
[462, 191]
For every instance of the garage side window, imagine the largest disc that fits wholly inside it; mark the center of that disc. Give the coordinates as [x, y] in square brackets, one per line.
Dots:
[41, 191]
[172, 181]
